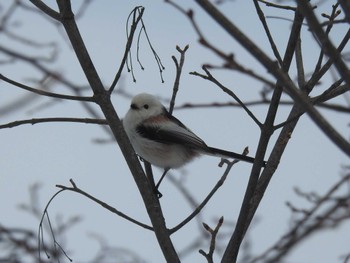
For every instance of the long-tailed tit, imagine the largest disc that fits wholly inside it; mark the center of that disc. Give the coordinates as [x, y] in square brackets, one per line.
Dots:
[163, 140]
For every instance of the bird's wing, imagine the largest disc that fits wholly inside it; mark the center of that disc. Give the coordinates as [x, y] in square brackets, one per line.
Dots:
[169, 130]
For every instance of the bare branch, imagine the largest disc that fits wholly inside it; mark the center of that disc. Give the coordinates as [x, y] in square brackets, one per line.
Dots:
[59, 119]
[331, 18]
[322, 37]
[213, 233]
[346, 8]
[316, 76]
[300, 65]
[128, 44]
[46, 9]
[328, 211]
[45, 93]
[229, 59]
[279, 73]
[267, 31]
[210, 195]
[286, 7]
[210, 77]
[76, 189]
[178, 75]
[249, 207]
[104, 101]
[41, 244]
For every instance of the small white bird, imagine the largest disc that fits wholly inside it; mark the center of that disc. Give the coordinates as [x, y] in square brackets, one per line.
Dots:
[162, 140]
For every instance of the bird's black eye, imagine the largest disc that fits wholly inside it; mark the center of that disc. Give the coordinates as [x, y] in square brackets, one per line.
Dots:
[146, 106]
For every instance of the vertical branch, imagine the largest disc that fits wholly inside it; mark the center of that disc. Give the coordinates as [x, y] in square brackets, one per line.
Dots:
[243, 222]
[178, 75]
[102, 98]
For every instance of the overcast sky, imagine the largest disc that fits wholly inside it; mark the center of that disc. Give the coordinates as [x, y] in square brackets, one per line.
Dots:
[53, 153]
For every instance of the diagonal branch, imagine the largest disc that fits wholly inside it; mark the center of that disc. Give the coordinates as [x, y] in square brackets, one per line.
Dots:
[316, 76]
[59, 119]
[76, 189]
[46, 9]
[286, 7]
[229, 59]
[267, 31]
[210, 77]
[209, 196]
[45, 93]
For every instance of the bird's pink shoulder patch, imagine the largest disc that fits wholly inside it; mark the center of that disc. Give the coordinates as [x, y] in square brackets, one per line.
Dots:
[156, 119]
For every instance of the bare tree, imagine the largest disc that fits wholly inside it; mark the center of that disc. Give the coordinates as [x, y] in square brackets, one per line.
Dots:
[328, 210]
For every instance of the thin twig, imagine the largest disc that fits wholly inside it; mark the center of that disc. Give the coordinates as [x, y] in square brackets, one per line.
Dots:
[128, 44]
[211, 78]
[210, 195]
[321, 215]
[267, 31]
[178, 66]
[41, 234]
[329, 106]
[156, 56]
[331, 18]
[213, 233]
[317, 76]
[229, 59]
[286, 7]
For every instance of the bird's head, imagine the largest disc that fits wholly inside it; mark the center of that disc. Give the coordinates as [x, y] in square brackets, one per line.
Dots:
[144, 106]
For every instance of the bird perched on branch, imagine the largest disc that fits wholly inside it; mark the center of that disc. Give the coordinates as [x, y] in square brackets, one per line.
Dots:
[163, 140]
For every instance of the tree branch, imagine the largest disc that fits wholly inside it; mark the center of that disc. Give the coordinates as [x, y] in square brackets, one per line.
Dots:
[244, 218]
[59, 119]
[104, 101]
[213, 233]
[46, 9]
[229, 59]
[327, 211]
[267, 31]
[178, 75]
[45, 93]
[76, 189]
[210, 77]
[209, 196]
[134, 24]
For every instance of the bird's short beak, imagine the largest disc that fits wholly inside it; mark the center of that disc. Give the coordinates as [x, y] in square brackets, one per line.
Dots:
[133, 106]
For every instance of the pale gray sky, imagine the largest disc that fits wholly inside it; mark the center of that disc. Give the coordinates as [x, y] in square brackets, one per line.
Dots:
[53, 153]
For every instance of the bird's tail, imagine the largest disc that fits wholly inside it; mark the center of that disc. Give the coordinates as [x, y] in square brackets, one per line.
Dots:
[227, 154]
